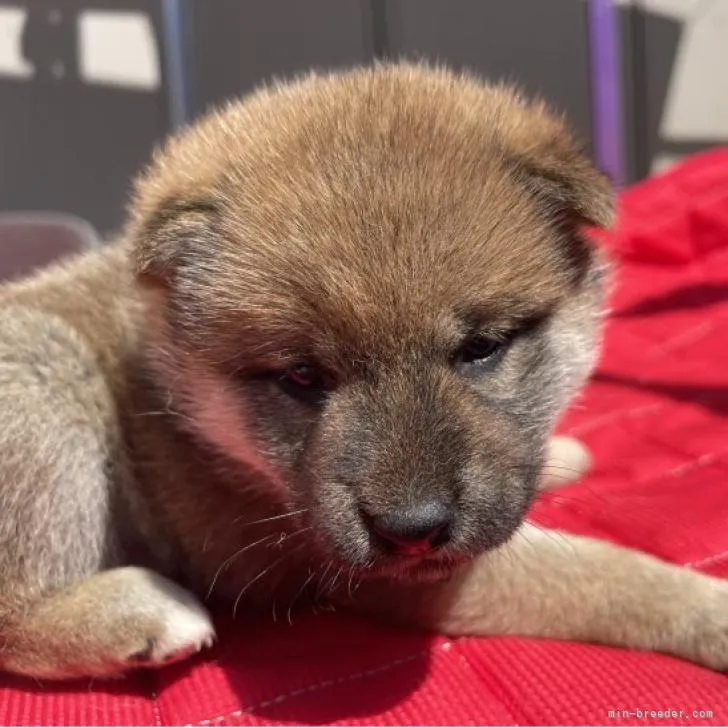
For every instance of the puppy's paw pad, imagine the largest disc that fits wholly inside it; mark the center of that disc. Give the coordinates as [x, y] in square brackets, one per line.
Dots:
[143, 655]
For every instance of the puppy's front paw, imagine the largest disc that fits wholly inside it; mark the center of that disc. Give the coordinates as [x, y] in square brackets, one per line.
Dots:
[182, 629]
[158, 622]
[114, 622]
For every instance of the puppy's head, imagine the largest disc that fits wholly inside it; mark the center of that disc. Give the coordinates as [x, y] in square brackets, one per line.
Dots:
[373, 290]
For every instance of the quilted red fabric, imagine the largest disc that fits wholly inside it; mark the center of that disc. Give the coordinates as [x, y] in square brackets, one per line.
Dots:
[656, 418]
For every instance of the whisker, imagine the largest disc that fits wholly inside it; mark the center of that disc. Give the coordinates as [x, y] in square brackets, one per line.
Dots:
[319, 591]
[368, 565]
[259, 576]
[556, 536]
[286, 536]
[271, 518]
[348, 586]
[232, 558]
[298, 594]
[546, 467]
[332, 585]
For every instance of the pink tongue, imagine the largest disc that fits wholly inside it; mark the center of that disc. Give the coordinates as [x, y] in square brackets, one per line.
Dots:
[414, 549]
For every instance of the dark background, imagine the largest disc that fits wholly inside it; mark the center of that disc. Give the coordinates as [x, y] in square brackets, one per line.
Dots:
[72, 146]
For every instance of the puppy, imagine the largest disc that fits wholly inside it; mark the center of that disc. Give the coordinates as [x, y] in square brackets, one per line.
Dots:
[323, 361]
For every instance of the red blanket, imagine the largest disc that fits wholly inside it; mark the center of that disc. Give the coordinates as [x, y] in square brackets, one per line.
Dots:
[656, 418]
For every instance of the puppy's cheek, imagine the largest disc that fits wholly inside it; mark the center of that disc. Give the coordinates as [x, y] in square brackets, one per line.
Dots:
[328, 487]
[341, 533]
[493, 515]
[332, 510]
[499, 482]
[216, 412]
[574, 337]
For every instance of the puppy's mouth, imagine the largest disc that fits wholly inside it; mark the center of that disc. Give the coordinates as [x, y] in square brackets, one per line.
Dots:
[371, 558]
[424, 540]
[414, 568]
[366, 557]
[407, 555]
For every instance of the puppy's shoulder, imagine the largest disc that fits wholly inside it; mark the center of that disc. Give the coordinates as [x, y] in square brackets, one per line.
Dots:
[93, 294]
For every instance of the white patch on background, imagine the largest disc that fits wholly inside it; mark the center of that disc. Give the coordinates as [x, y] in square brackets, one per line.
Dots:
[12, 63]
[696, 108]
[677, 9]
[118, 48]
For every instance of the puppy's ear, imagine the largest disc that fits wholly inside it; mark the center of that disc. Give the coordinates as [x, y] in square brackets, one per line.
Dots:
[174, 205]
[541, 147]
[569, 187]
[170, 236]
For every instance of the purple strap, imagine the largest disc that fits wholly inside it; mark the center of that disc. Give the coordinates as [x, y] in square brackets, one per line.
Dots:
[606, 89]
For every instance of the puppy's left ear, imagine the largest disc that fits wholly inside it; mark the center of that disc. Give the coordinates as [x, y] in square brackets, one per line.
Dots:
[570, 187]
[553, 166]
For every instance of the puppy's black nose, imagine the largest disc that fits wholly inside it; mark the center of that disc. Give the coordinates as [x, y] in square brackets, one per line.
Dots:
[415, 530]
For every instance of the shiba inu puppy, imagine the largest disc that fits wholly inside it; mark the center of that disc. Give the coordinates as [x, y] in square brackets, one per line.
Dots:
[325, 357]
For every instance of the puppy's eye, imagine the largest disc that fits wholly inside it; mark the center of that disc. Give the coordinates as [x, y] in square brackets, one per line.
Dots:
[302, 375]
[304, 382]
[476, 349]
[478, 352]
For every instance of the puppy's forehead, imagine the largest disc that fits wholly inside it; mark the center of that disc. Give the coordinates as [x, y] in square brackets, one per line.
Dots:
[379, 204]
[383, 271]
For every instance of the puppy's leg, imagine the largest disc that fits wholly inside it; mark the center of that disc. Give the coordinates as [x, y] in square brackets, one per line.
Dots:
[553, 585]
[112, 622]
[61, 614]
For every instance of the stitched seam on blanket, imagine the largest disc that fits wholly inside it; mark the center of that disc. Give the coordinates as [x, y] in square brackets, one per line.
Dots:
[363, 674]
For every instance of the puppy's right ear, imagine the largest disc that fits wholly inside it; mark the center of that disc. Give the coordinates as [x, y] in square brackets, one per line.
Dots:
[174, 207]
[166, 238]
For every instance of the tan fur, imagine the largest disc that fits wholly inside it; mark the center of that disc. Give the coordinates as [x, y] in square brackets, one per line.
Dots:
[375, 223]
